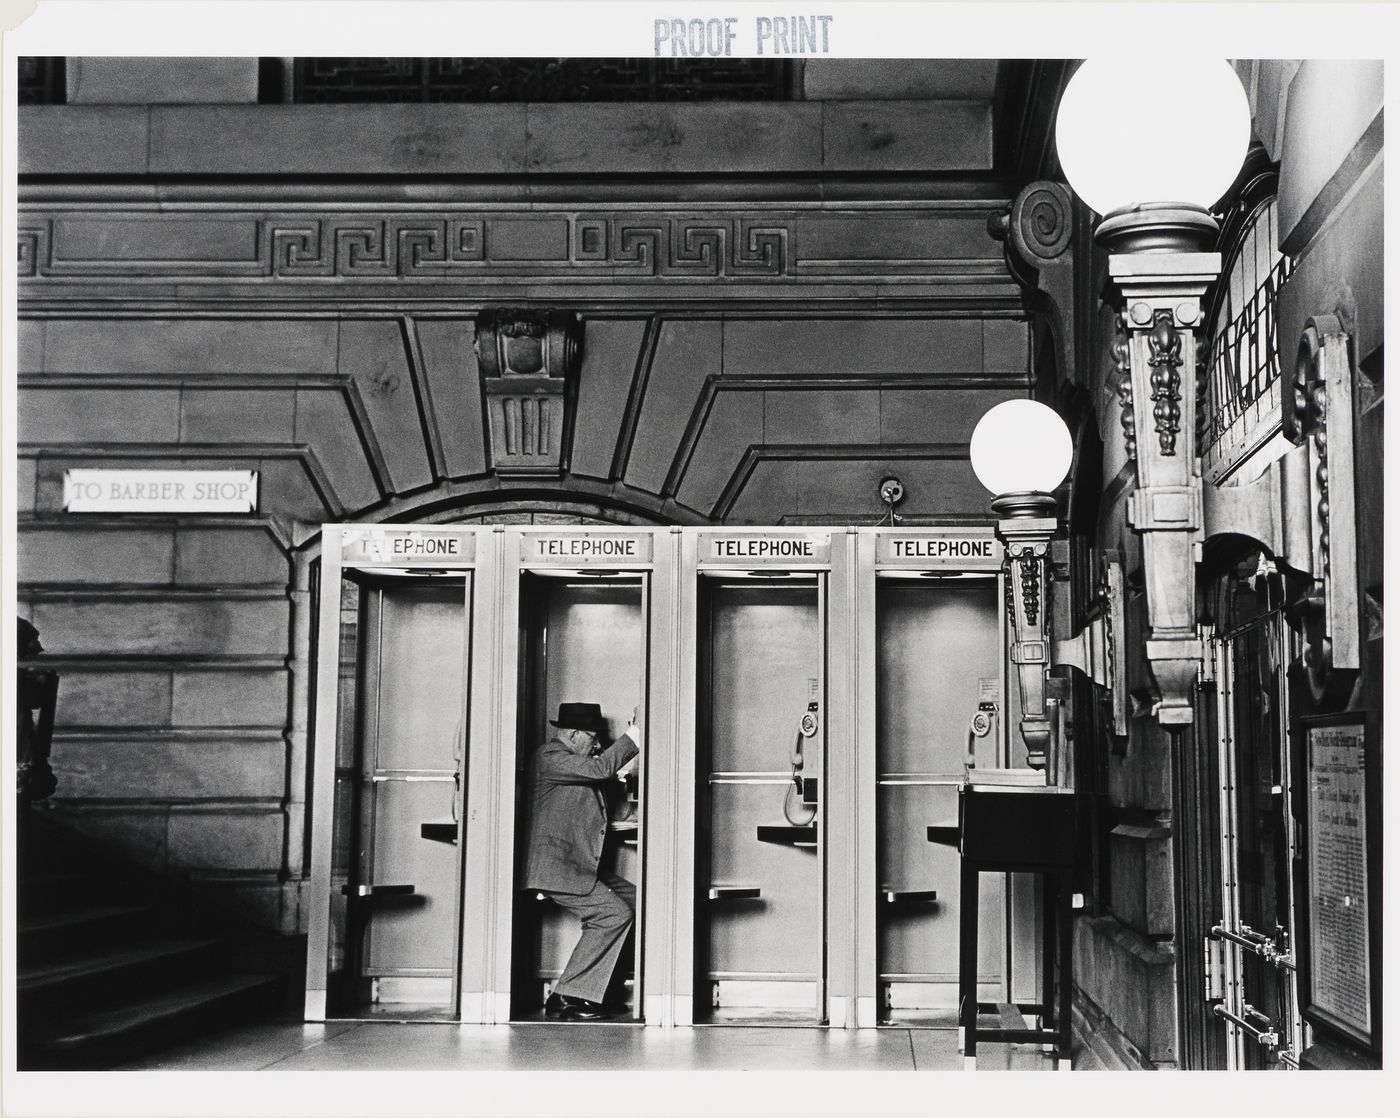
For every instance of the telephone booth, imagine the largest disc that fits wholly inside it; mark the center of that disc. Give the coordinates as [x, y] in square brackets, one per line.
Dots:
[390, 741]
[582, 635]
[934, 628]
[761, 718]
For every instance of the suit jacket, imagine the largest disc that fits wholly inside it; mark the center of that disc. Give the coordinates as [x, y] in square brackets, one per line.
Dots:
[568, 819]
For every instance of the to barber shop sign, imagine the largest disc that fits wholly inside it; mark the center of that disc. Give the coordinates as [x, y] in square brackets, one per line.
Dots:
[188, 491]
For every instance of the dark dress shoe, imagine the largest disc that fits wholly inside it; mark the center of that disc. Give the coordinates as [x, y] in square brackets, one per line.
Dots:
[563, 1007]
[554, 1006]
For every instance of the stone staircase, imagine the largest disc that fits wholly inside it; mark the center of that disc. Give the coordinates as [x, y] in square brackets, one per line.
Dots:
[115, 963]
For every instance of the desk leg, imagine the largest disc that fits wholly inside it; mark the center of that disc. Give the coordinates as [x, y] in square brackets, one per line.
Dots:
[357, 914]
[967, 965]
[1049, 917]
[1064, 914]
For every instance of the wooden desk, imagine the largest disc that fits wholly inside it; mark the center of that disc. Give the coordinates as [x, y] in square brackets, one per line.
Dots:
[1018, 830]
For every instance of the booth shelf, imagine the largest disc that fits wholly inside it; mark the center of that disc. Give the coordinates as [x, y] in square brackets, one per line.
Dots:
[909, 896]
[944, 835]
[369, 892]
[788, 835]
[734, 892]
[439, 830]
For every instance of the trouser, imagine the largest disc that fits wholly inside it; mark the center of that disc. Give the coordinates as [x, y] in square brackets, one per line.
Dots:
[606, 912]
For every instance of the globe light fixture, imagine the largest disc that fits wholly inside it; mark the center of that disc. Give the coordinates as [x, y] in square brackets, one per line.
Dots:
[1021, 446]
[1152, 148]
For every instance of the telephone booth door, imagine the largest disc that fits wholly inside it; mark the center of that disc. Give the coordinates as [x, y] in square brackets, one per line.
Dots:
[389, 750]
[760, 903]
[940, 681]
[583, 638]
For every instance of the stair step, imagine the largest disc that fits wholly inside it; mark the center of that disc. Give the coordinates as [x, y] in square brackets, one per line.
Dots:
[107, 961]
[42, 888]
[124, 1023]
[77, 918]
[50, 935]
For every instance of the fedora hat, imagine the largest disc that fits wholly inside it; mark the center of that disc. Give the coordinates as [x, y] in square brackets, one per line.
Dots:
[580, 716]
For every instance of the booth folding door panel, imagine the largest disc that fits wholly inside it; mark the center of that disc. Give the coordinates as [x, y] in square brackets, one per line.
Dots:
[414, 734]
[765, 662]
[938, 649]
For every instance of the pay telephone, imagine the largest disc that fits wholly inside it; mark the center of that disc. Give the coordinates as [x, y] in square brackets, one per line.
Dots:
[623, 802]
[984, 719]
[800, 798]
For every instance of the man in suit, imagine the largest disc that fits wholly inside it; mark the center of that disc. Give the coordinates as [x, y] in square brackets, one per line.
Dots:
[568, 822]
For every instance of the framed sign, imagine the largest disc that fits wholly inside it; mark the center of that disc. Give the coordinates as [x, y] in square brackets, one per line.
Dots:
[170, 491]
[1341, 896]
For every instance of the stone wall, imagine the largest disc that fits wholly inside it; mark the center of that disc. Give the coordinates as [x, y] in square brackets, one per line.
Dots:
[759, 351]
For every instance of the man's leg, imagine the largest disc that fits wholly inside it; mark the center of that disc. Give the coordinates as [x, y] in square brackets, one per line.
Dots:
[606, 913]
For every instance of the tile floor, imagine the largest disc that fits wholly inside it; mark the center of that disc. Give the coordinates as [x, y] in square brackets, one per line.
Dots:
[392, 1046]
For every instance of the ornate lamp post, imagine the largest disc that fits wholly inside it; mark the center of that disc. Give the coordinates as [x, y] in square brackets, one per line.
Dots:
[1150, 149]
[1021, 451]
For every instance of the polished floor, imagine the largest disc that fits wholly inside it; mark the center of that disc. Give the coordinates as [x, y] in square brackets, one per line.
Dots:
[390, 1046]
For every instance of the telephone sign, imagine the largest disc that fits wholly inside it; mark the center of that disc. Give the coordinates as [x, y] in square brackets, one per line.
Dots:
[968, 549]
[784, 549]
[407, 547]
[611, 549]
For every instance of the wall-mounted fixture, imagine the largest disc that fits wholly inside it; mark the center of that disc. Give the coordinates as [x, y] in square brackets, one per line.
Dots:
[1021, 451]
[1177, 138]
[891, 493]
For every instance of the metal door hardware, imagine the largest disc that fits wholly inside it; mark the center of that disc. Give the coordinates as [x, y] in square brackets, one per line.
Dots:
[734, 892]
[412, 776]
[1267, 1037]
[1215, 968]
[1267, 948]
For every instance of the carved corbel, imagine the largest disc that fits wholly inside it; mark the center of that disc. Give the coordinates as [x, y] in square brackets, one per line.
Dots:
[1035, 231]
[528, 361]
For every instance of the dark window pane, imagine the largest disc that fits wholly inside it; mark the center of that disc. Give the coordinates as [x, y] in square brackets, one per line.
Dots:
[538, 79]
[41, 81]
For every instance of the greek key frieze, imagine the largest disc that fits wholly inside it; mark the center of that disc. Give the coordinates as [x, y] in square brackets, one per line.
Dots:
[296, 250]
[688, 247]
[32, 244]
[308, 248]
[386, 249]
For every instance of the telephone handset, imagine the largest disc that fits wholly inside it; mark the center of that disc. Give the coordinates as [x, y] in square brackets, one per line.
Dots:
[803, 789]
